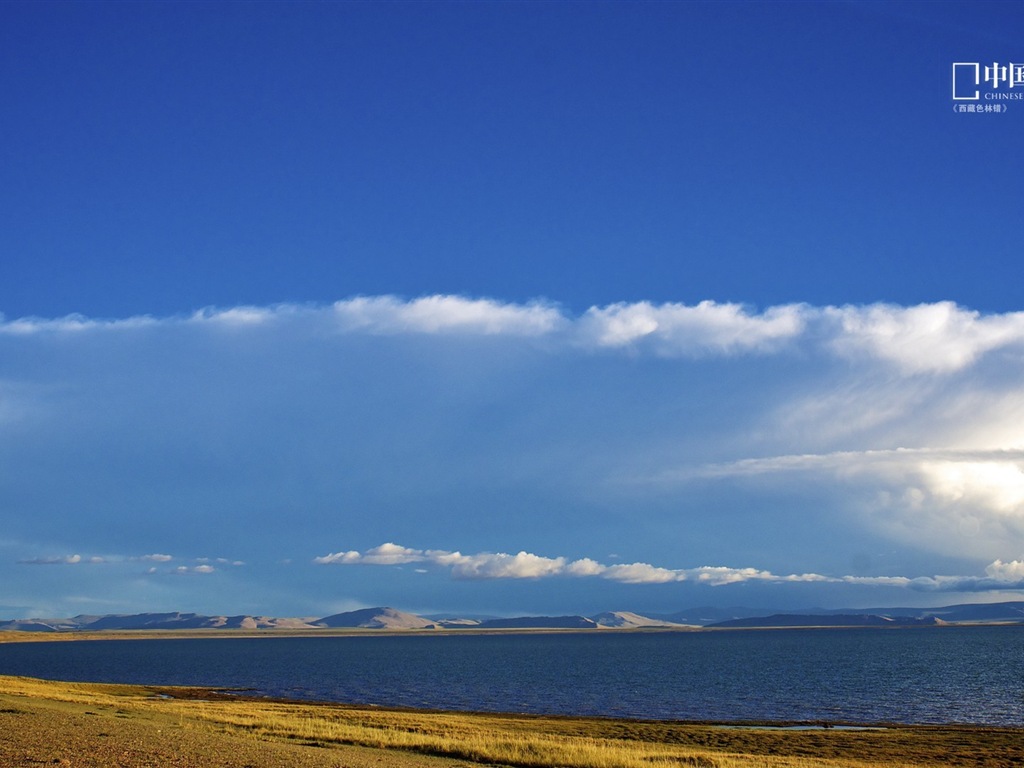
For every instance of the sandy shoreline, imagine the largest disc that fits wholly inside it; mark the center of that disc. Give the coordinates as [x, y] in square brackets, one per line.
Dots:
[48, 729]
[116, 725]
[25, 636]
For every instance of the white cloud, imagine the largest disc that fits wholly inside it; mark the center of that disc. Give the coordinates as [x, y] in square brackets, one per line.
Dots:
[999, 575]
[183, 570]
[446, 314]
[929, 338]
[879, 581]
[1011, 571]
[385, 554]
[392, 554]
[481, 566]
[525, 565]
[204, 566]
[585, 567]
[677, 329]
[641, 573]
[718, 575]
[31, 326]
[501, 566]
[240, 317]
[338, 557]
[66, 560]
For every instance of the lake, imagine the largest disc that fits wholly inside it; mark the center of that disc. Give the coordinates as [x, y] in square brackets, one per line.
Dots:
[920, 675]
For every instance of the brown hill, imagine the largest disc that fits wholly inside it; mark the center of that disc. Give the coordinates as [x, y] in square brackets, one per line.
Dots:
[376, 618]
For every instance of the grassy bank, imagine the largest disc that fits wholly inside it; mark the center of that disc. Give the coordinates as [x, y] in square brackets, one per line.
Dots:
[224, 724]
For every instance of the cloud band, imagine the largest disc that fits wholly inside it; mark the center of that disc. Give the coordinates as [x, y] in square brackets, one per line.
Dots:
[524, 565]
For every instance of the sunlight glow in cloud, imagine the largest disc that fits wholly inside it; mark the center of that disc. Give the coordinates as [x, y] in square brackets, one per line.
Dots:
[997, 486]
[953, 501]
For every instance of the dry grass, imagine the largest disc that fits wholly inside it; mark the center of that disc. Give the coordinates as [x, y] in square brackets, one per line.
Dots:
[527, 741]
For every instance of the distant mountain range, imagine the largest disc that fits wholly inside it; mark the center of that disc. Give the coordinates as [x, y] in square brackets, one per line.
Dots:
[696, 618]
[830, 620]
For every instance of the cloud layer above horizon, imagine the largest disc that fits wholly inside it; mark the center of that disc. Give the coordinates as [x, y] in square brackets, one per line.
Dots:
[999, 576]
[928, 338]
[844, 446]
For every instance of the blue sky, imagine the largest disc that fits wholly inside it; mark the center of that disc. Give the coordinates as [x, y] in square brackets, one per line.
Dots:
[506, 307]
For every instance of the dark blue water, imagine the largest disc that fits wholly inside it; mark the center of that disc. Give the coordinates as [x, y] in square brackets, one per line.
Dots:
[928, 675]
